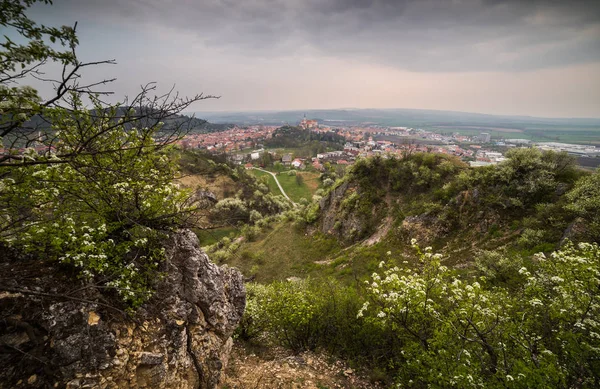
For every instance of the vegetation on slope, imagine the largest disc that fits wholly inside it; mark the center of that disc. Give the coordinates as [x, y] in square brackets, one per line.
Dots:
[484, 311]
[427, 326]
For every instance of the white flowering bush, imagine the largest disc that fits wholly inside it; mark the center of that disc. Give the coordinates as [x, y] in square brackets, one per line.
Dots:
[102, 210]
[85, 185]
[458, 333]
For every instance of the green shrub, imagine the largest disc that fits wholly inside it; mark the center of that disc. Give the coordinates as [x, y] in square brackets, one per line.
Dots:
[250, 232]
[530, 237]
[498, 268]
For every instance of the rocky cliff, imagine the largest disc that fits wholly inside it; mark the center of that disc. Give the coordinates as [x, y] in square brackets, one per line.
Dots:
[348, 215]
[53, 334]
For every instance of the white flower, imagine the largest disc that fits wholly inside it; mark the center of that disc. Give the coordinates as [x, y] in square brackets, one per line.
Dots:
[535, 302]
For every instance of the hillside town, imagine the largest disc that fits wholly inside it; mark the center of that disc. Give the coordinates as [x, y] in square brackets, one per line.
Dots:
[244, 145]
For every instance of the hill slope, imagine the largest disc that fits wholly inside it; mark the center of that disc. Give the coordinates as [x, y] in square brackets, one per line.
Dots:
[522, 206]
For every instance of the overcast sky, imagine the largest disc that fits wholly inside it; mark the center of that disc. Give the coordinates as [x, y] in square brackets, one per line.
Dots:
[530, 57]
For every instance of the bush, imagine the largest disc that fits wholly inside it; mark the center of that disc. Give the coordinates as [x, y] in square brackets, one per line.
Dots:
[531, 238]
[498, 268]
[458, 333]
[284, 312]
[250, 232]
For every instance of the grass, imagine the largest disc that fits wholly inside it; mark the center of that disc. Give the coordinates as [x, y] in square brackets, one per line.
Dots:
[209, 237]
[283, 252]
[311, 180]
[295, 191]
[270, 181]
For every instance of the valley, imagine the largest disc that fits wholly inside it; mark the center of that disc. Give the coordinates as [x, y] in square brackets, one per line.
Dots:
[184, 204]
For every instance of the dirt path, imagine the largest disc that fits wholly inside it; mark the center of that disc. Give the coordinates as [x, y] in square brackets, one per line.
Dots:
[278, 184]
[280, 368]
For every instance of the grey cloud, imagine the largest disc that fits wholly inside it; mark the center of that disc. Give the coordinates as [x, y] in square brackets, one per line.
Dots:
[418, 35]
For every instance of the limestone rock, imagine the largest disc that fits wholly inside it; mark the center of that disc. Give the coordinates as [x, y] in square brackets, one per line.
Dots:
[179, 339]
[348, 225]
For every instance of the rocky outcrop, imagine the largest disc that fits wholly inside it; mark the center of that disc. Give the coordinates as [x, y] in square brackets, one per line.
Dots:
[424, 228]
[180, 339]
[345, 220]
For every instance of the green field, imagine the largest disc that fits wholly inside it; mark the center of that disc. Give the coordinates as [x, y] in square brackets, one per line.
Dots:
[270, 180]
[292, 189]
[296, 192]
[580, 135]
[209, 237]
[283, 252]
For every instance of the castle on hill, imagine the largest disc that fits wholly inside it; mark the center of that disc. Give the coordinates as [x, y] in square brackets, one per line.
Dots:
[307, 124]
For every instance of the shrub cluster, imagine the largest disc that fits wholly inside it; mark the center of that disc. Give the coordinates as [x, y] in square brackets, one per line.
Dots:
[429, 327]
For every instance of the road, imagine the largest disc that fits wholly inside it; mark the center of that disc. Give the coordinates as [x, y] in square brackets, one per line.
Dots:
[278, 184]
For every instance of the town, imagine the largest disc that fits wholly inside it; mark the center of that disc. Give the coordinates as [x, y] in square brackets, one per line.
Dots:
[245, 145]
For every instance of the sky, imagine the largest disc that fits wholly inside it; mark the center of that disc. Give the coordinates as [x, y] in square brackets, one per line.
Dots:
[538, 58]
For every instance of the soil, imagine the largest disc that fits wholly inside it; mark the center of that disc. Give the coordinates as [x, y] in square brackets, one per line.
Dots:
[269, 368]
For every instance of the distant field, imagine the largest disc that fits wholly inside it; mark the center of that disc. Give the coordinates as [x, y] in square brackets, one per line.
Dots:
[580, 135]
[478, 129]
[588, 163]
[296, 192]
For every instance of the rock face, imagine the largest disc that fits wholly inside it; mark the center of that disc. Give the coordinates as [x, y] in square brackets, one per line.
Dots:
[180, 339]
[346, 222]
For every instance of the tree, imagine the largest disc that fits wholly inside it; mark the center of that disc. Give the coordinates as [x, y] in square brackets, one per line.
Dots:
[584, 201]
[84, 183]
[266, 159]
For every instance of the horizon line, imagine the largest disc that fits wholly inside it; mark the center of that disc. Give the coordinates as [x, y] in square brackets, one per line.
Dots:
[396, 108]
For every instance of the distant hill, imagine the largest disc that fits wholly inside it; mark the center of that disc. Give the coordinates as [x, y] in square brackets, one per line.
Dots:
[185, 123]
[290, 136]
[189, 123]
[396, 116]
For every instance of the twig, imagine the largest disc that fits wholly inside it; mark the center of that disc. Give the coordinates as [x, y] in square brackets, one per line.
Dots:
[59, 296]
